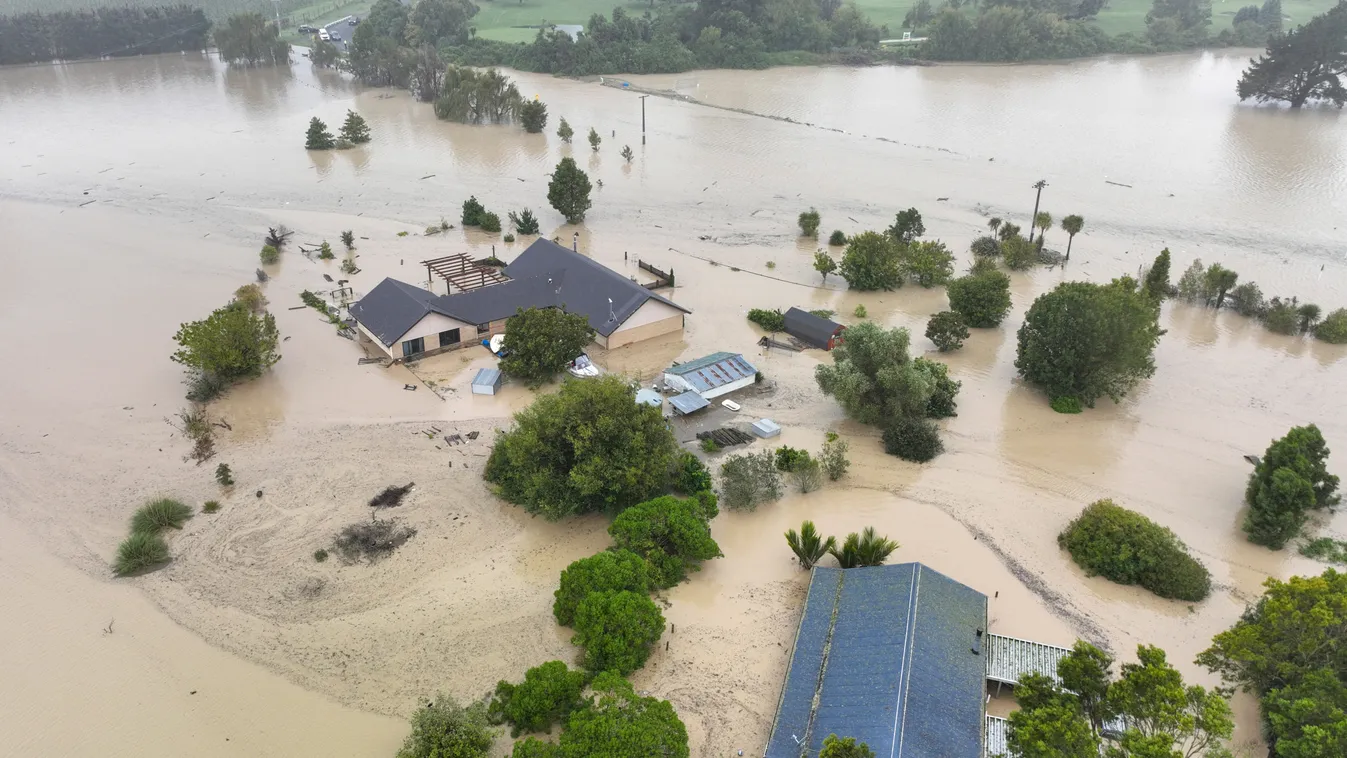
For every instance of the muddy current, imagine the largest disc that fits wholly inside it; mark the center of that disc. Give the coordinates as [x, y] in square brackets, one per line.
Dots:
[134, 195]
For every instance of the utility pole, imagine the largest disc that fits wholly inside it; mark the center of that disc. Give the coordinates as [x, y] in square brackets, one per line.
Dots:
[643, 97]
[1038, 185]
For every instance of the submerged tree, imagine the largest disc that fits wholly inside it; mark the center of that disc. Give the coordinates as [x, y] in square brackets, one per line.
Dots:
[594, 139]
[1305, 64]
[1087, 340]
[619, 723]
[981, 298]
[568, 192]
[672, 534]
[627, 154]
[873, 376]
[318, 137]
[864, 549]
[232, 343]
[250, 40]
[470, 96]
[1156, 283]
[1072, 225]
[525, 222]
[443, 727]
[541, 342]
[808, 545]
[907, 226]
[872, 262]
[1290, 480]
[824, 264]
[533, 116]
[355, 130]
[809, 222]
[565, 132]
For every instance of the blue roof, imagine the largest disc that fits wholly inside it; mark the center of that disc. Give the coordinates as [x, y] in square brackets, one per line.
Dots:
[889, 653]
[688, 402]
[714, 370]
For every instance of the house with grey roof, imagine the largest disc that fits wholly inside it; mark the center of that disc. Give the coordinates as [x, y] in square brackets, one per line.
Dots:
[712, 375]
[889, 655]
[407, 321]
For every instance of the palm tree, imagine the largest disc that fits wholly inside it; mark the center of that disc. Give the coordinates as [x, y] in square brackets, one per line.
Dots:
[1072, 225]
[1220, 280]
[994, 223]
[808, 546]
[864, 549]
[1007, 231]
[1042, 220]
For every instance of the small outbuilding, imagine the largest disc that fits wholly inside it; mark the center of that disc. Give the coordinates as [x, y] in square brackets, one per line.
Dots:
[487, 382]
[688, 402]
[765, 428]
[712, 375]
[822, 333]
[650, 398]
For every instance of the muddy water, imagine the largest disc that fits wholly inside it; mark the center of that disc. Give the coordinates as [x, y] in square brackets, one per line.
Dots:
[184, 164]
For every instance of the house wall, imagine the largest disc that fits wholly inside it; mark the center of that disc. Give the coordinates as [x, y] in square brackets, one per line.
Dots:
[369, 336]
[652, 319]
[429, 328]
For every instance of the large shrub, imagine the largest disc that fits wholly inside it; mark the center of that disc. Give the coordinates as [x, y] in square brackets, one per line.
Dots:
[947, 330]
[927, 263]
[1088, 340]
[590, 447]
[231, 343]
[749, 479]
[541, 342]
[1129, 548]
[873, 377]
[983, 298]
[609, 571]
[944, 391]
[547, 695]
[1333, 328]
[773, 320]
[1290, 480]
[444, 728]
[618, 723]
[617, 630]
[871, 262]
[913, 439]
[672, 534]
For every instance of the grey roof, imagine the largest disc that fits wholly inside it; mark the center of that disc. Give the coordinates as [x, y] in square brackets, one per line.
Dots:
[391, 308]
[714, 370]
[487, 377]
[886, 655]
[545, 275]
[810, 328]
[688, 402]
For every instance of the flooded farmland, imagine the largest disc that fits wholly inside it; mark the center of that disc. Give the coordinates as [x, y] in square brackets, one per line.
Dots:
[134, 194]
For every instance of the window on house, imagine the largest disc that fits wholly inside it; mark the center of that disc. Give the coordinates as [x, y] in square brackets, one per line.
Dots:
[449, 338]
[413, 347]
[483, 328]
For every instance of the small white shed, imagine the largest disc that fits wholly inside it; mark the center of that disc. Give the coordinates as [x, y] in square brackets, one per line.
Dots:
[765, 427]
[487, 382]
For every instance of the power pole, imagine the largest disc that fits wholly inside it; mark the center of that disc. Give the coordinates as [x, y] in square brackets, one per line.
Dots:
[1038, 185]
[643, 97]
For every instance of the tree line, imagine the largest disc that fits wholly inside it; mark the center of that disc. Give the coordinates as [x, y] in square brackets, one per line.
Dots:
[99, 32]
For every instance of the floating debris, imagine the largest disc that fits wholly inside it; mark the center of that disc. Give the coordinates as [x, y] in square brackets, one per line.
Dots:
[391, 497]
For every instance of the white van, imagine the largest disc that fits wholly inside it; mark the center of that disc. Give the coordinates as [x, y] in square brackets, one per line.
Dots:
[323, 35]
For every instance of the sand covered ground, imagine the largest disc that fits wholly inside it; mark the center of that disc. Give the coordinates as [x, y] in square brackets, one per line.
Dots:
[303, 658]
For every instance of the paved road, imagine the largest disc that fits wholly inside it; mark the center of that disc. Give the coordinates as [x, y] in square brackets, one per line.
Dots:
[341, 27]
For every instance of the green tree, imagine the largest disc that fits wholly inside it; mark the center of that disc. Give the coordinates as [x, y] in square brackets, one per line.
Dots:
[1304, 451]
[871, 262]
[1305, 64]
[824, 264]
[620, 724]
[913, 439]
[930, 264]
[617, 630]
[1049, 722]
[444, 729]
[772, 321]
[749, 479]
[808, 545]
[1186, 19]
[837, 238]
[864, 549]
[318, 137]
[1128, 548]
[470, 96]
[1161, 711]
[836, 747]
[1278, 508]
[1333, 329]
[589, 447]
[873, 377]
[1018, 252]
[609, 571]
[565, 132]
[248, 39]
[348, 239]
[594, 139]
[472, 212]
[1219, 281]
[907, 226]
[1087, 340]
[1309, 316]
[943, 402]
[1308, 719]
[1086, 672]
[541, 342]
[1247, 300]
[809, 221]
[690, 475]
[627, 154]
[1156, 285]
[1192, 285]
[324, 54]
[833, 457]
[568, 192]
[947, 330]
[548, 694]
[354, 129]
[1043, 222]
[985, 247]
[532, 747]
[1072, 225]
[434, 21]
[983, 298]
[672, 534]
[231, 343]
[525, 222]
[533, 115]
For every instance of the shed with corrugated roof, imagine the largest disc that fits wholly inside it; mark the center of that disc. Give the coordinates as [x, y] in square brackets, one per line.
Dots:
[712, 375]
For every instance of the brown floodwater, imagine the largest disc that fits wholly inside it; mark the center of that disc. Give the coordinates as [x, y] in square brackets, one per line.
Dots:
[134, 194]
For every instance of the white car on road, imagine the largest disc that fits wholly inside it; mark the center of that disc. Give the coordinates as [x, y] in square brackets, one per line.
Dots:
[323, 35]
